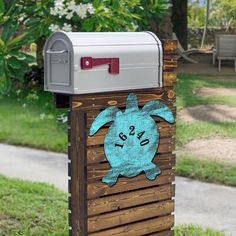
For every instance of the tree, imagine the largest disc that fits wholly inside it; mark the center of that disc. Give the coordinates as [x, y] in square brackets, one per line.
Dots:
[179, 20]
[223, 13]
[196, 13]
[206, 22]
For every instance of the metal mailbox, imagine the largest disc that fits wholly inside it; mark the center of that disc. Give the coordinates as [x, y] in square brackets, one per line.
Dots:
[81, 63]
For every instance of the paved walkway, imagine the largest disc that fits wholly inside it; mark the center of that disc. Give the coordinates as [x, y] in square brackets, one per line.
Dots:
[200, 203]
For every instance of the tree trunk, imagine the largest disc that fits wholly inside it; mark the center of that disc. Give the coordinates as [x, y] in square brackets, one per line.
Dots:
[180, 21]
[39, 52]
[206, 22]
[163, 29]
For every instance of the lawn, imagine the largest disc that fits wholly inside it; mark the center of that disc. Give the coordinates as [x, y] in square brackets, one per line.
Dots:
[30, 119]
[28, 208]
[185, 98]
[195, 230]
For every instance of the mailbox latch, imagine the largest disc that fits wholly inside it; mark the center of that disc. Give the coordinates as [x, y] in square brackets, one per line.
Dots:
[90, 62]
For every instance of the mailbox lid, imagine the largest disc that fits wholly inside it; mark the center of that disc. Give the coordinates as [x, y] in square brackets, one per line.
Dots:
[112, 38]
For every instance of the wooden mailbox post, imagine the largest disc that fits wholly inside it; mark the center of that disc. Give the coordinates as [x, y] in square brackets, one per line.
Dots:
[133, 206]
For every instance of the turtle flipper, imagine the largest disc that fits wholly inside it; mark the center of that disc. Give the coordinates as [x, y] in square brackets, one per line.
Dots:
[109, 114]
[152, 171]
[111, 178]
[158, 108]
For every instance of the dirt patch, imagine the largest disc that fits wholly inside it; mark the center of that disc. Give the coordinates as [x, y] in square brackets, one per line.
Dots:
[218, 113]
[205, 66]
[216, 92]
[221, 78]
[3, 217]
[215, 148]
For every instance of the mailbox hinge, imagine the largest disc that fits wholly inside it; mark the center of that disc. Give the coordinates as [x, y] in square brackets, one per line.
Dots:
[90, 62]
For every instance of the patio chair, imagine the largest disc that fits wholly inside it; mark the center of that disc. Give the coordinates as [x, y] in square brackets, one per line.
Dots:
[225, 49]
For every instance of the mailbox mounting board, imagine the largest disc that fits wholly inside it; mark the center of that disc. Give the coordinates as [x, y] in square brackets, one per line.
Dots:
[82, 63]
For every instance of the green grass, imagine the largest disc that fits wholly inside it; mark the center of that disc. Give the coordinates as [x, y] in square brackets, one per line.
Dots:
[37, 209]
[185, 132]
[205, 170]
[194, 230]
[188, 83]
[31, 209]
[31, 120]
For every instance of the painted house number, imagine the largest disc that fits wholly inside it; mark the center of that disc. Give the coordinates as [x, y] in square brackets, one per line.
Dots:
[124, 137]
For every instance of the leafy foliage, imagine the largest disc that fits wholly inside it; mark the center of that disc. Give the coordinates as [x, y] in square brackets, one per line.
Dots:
[13, 63]
[26, 21]
[196, 14]
[223, 13]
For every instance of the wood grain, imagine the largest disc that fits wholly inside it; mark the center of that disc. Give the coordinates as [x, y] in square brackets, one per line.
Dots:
[140, 228]
[96, 154]
[166, 130]
[130, 199]
[96, 172]
[118, 218]
[99, 189]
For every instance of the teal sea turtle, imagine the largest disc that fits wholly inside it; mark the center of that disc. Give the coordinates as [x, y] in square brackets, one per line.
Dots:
[132, 139]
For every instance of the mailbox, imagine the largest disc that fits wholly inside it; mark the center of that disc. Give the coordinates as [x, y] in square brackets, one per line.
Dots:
[81, 63]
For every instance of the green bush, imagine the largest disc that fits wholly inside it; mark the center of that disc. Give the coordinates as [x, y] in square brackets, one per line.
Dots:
[26, 21]
[13, 63]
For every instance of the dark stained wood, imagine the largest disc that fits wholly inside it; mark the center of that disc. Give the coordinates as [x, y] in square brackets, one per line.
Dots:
[99, 189]
[130, 199]
[96, 172]
[163, 233]
[96, 154]
[166, 130]
[130, 215]
[93, 114]
[140, 228]
[103, 100]
[77, 184]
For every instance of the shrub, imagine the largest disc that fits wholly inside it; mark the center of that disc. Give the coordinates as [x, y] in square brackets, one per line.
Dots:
[13, 63]
[32, 20]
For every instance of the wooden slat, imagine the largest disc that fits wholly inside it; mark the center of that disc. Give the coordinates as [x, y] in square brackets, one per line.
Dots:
[130, 215]
[170, 78]
[93, 114]
[140, 228]
[96, 154]
[99, 189]
[96, 172]
[77, 187]
[129, 199]
[166, 130]
[170, 46]
[163, 233]
[98, 101]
